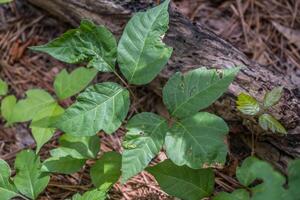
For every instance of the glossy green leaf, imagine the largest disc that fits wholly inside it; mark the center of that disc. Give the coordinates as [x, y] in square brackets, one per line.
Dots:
[186, 94]
[96, 194]
[239, 194]
[67, 85]
[7, 189]
[197, 141]
[3, 87]
[25, 109]
[86, 147]
[63, 165]
[100, 107]
[247, 104]
[267, 122]
[43, 135]
[272, 185]
[143, 141]
[29, 179]
[89, 42]
[106, 170]
[183, 182]
[141, 52]
[272, 97]
[7, 107]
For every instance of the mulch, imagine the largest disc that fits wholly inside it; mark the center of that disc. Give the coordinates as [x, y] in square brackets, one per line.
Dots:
[258, 28]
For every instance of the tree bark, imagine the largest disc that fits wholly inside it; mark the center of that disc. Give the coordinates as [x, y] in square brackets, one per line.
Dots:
[195, 46]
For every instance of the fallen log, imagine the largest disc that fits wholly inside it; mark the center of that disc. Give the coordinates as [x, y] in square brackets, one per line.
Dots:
[195, 46]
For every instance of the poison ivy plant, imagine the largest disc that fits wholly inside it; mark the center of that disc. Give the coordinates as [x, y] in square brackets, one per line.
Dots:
[141, 52]
[63, 165]
[268, 122]
[100, 107]
[197, 141]
[193, 141]
[67, 85]
[248, 105]
[183, 182]
[106, 170]
[7, 189]
[184, 95]
[72, 154]
[89, 42]
[3, 88]
[25, 109]
[143, 141]
[95, 194]
[29, 179]
[272, 97]
[239, 194]
[28, 182]
[293, 181]
[7, 106]
[99, 193]
[270, 184]
[252, 169]
[43, 135]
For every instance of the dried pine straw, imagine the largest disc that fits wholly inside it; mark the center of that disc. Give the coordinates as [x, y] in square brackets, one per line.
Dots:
[248, 24]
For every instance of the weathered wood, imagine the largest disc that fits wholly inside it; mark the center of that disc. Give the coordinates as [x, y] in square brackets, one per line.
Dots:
[196, 46]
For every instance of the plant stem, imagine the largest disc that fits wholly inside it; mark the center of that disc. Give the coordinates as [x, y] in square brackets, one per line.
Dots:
[252, 146]
[126, 85]
[23, 197]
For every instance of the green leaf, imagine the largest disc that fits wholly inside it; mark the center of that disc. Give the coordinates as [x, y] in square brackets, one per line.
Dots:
[239, 194]
[100, 107]
[247, 104]
[183, 182]
[64, 165]
[29, 179]
[96, 194]
[5, 1]
[72, 154]
[186, 94]
[43, 135]
[7, 189]
[141, 52]
[25, 109]
[197, 141]
[267, 122]
[89, 42]
[67, 85]
[271, 187]
[143, 141]
[272, 97]
[3, 87]
[7, 106]
[106, 170]
[264, 182]
[87, 147]
[293, 180]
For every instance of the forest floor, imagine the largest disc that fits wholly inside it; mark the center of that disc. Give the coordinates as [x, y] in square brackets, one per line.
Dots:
[266, 31]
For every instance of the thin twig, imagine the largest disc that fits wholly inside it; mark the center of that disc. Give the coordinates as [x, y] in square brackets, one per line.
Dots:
[127, 86]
